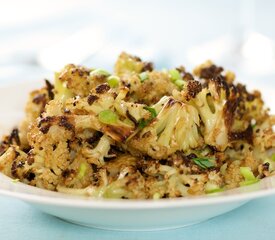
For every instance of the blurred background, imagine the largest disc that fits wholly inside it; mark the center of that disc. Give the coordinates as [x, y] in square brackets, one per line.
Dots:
[39, 37]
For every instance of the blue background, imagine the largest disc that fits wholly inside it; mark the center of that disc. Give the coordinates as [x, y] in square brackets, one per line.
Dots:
[255, 220]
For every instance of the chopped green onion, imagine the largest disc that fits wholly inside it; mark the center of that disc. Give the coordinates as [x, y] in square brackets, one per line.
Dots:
[273, 157]
[212, 188]
[215, 190]
[100, 71]
[156, 195]
[144, 122]
[180, 83]
[248, 175]
[113, 81]
[174, 75]
[152, 111]
[62, 92]
[108, 117]
[203, 162]
[223, 169]
[245, 183]
[82, 170]
[143, 76]
[16, 180]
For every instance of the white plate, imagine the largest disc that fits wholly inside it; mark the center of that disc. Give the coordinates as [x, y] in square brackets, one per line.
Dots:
[118, 214]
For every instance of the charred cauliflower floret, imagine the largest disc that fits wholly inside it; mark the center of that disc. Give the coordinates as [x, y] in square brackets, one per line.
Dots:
[118, 178]
[211, 105]
[264, 136]
[37, 101]
[14, 163]
[149, 87]
[54, 148]
[105, 110]
[146, 86]
[127, 64]
[78, 81]
[96, 155]
[174, 129]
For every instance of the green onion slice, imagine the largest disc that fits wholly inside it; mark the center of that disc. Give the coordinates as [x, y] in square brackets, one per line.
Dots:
[82, 170]
[180, 83]
[214, 190]
[143, 76]
[248, 175]
[100, 71]
[246, 183]
[113, 81]
[174, 75]
[203, 162]
[273, 157]
[152, 111]
[108, 117]
[16, 180]
[144, 122]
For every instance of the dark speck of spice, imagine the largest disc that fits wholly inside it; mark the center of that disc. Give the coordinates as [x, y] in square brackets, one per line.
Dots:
[92, 140]
[102, 88]
[210, 72]
[39, 98]
[148, 66]
[16, 154]
[65, 123]
[30, 176]
[191, 156]
[14, 136]
[171, 102]
[244, 135]
[94, 167]
[188, 76]
[91, 99]
[45, 129]
[49, 89]
[13, 169]
[45, 120]
[30, 159]
[266, 166]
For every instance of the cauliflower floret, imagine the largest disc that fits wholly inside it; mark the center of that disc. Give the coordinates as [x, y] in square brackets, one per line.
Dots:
[75, 80]
[174, 129]
[118, 178]
[97, 154]
[34, 107]
[264, 136]
[149, 87]
[211, 105]
[127, 65]
[104, 110]
[146, 86]
[49, 139]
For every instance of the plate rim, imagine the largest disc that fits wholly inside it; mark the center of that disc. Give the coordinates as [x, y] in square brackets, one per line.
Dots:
[101, 203]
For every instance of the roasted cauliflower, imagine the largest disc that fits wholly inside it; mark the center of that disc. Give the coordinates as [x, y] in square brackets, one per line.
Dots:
[140, 133]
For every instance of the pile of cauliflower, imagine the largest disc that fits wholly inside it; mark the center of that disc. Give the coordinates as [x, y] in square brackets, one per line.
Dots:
[140, 133]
